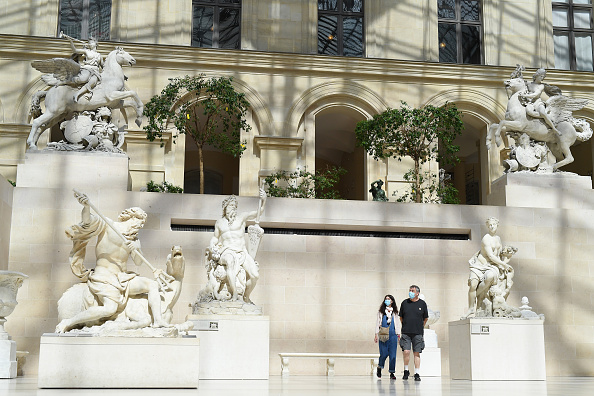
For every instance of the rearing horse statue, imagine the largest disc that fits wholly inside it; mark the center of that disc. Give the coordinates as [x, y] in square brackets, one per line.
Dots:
[60, 98]
[559, 109]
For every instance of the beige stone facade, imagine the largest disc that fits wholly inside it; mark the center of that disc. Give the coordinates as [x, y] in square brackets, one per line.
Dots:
[321, 292]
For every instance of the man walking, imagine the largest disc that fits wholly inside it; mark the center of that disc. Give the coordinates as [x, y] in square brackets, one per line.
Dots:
[413, 315]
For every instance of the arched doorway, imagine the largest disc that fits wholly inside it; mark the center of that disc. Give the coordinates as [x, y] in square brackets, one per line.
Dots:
[335, 145]
[468, 176]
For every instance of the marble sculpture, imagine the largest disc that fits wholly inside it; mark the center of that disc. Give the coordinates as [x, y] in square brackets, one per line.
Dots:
[491, 277]
[79, 89]
[10, 282]
[113, 301]
[540, 124]
[231, 265]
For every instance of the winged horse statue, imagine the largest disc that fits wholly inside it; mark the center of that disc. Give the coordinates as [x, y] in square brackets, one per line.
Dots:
[558, 109]
[61, 101]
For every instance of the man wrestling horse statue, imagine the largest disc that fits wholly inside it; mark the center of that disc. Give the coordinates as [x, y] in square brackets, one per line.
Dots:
[551, 122]
[62, 100]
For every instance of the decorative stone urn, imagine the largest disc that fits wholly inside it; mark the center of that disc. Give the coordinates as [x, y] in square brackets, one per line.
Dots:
[10, 281]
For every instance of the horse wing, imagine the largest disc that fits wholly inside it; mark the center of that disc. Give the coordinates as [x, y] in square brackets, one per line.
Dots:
[560, 107]
[61, 69]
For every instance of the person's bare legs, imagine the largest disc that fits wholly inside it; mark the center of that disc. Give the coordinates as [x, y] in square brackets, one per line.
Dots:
[141, 285]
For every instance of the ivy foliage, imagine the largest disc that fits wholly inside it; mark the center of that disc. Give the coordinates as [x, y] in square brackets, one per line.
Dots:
[303, 184]
[165, 187]
[209, 110]
[415, 133]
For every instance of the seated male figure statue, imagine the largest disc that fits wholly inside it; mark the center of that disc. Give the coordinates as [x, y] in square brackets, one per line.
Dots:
[110, 282]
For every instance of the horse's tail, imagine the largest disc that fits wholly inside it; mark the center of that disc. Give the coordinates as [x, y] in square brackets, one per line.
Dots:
[582, 129]
[35, 109]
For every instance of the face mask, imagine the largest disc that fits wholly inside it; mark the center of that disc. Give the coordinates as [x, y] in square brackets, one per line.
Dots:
[411, 294]
[388, 302]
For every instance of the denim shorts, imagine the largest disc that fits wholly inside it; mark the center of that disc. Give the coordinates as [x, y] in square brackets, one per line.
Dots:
[418, 344]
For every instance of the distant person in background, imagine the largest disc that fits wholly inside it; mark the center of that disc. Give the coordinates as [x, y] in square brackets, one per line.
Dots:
[388, 343]
[413, 315]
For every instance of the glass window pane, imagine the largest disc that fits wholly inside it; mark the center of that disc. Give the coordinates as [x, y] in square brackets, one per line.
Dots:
[202, 26]
[581, 19]
[71, 17]
[352, 30]
[561, 42]
[469, 10]
[327, 40]
[448, 51]
[560, 17]
[576, 1]
[229, 28]
[471, 44]
[328, 5]
[99, 19]
[446, 9]
[583, 52]
[352, 5]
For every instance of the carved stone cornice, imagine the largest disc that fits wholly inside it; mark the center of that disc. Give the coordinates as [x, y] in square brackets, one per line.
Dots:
[278, 142]
[18, 47]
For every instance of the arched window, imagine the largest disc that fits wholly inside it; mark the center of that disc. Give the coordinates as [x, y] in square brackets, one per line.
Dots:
[340, 27]
[460, 31]
[82, 19]
[216, 23]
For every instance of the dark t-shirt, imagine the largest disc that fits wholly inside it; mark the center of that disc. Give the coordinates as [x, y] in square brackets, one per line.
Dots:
[413, 314]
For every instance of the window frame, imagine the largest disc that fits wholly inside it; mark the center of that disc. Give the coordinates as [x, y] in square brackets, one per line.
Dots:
[459, 23]
[216, 5]
[571, 31]
[340, 15]
[84, 23]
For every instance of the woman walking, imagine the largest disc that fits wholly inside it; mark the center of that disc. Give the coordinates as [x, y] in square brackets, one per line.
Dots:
[387, 332]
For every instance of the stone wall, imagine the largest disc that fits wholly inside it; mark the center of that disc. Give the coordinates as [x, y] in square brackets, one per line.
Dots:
[513, 30]
[322, 292]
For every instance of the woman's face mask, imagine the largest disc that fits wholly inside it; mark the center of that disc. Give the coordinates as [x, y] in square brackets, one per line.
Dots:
[387, 302]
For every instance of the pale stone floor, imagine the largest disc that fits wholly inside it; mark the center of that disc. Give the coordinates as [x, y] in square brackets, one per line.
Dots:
[339, 386]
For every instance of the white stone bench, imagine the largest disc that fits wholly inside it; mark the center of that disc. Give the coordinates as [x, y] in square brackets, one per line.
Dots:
[330, 358]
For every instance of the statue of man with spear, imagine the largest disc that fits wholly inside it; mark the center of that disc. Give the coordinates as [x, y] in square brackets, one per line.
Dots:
[110, 282]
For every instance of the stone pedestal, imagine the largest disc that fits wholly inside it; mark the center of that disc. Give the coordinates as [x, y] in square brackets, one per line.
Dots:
[8, 361]
[430, 362]
[118, 362]
[66, 169]
[497, 349]
[233, 346]
[535, 190]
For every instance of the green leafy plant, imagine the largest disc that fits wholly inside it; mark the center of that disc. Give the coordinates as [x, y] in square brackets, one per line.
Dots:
[209, 110]
[11, 182]
[414, 133]
[165, 187]
[433, 189]
[303, 184]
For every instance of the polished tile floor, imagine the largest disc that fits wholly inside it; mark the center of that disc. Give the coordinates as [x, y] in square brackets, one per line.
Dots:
[337, 386]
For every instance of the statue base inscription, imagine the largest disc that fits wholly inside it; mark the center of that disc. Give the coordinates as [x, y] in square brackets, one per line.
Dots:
[68, 361]
[493, 349]
[548, 190]
[233, 347]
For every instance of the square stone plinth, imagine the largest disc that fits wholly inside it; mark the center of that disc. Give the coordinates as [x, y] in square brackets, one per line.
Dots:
[65, 169]
[233, 346]
[118, 362]
[536, 190]
[497, 349]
